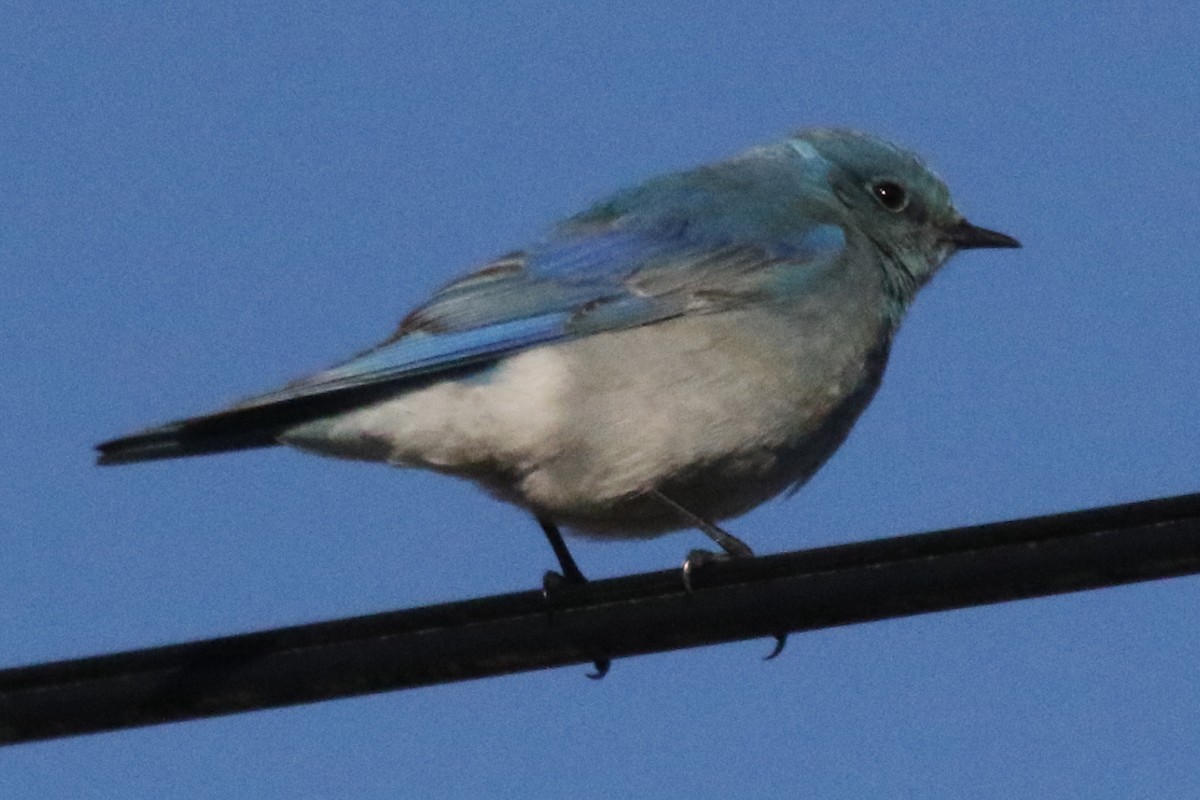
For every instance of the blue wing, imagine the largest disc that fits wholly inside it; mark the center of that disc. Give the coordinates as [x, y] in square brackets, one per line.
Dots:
[613, 267]
[566, 289]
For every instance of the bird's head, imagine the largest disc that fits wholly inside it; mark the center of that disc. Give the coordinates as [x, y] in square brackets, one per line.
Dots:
[887, 194]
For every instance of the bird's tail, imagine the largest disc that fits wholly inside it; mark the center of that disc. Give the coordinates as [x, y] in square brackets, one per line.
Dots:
[258, 422]
[215, 433]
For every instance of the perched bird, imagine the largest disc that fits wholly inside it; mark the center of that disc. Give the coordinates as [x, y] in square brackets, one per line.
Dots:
[673, 356]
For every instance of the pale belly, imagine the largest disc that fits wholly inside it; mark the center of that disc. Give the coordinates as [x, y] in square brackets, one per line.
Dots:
[720, 413]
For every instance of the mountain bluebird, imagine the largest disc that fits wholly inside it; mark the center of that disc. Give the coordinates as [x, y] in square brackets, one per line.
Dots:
[673, 356]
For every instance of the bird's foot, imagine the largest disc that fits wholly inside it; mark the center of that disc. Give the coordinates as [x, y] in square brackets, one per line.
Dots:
[553, 583]
[697, 559]
[571, 576]
[731, 546]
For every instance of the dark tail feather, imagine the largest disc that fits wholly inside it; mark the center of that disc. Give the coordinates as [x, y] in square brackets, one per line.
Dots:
[239, 428]
[252, 425]
[175, 441]
[217, 433]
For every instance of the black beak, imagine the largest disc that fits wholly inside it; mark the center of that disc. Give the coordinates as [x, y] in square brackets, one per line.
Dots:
[965, 236]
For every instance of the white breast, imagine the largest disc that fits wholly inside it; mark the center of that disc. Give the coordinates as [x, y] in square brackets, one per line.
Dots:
[719, 407]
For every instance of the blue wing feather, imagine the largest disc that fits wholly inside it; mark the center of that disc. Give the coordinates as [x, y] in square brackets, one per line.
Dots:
[695, 242]
[567, 289]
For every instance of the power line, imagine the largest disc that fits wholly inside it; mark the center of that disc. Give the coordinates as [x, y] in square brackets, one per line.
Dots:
[614, 618]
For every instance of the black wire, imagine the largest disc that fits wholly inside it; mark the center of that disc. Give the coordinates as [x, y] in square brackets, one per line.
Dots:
[732, 600]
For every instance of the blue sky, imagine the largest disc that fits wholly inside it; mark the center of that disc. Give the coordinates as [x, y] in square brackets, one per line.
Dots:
[200, 204]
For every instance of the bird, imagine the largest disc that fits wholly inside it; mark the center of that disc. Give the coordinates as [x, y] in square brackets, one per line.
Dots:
[669, 358]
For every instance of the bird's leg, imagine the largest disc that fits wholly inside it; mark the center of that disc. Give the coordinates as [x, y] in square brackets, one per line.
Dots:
[570, 570]
[570, 574]
[732, 546]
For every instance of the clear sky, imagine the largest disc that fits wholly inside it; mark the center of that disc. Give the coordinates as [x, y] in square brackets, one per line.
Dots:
[196, 205]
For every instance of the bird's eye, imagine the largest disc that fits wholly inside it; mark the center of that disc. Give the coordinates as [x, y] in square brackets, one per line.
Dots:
[890, 195]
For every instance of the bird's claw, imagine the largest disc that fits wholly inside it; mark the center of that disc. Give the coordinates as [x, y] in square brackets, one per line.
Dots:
[780, 643]
[552, 583]
[696, 559]
[602, 666]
